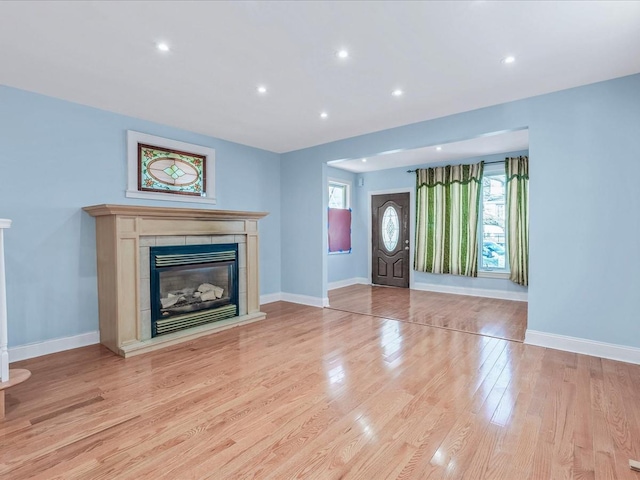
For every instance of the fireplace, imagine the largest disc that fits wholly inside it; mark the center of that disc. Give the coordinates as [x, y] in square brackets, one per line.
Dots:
[192, 285]
[125, 235]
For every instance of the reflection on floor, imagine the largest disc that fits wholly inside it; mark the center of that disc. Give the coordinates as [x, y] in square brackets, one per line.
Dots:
[320, 394]
[485, 316]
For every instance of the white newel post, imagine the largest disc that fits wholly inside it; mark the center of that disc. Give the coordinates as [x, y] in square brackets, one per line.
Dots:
[18, 375]
[4, 336]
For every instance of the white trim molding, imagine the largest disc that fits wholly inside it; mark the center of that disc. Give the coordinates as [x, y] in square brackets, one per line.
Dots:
[133, 138]
[493, 274]
[305, 299]
[5, 223]
[32, 350]
[474, 292]
[347, 282]
[294, 298]
[584, 346]
[270, 298]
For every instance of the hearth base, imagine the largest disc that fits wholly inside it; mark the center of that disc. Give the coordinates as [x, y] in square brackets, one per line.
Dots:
[144, 346]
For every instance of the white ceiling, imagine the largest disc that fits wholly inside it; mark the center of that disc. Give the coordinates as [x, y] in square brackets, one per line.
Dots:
[500, 142]
[444, 55]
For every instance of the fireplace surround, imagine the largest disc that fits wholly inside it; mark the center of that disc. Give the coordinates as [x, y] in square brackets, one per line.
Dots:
[127, 235]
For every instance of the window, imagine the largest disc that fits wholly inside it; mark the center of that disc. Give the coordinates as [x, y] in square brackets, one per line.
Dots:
[493, 245]
[390, 228]
[338, 195]
[163, 169]
[339, 217]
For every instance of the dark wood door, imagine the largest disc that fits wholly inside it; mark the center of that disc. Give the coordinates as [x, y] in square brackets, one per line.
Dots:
[390, 240]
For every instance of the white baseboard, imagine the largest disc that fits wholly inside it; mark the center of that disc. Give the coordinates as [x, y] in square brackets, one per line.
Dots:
[294, 298]
[582, 345]
[304, 299]
[270, 298]
[348, 282]
[31, 350]
[474, 292]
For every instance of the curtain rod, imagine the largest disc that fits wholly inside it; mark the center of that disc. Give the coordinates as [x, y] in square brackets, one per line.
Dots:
[486, 163]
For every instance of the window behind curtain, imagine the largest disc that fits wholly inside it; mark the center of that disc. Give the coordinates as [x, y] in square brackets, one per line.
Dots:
[493, 229]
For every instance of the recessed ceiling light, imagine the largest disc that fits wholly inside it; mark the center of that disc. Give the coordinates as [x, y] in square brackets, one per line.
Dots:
[397, 93]
[324, 115]
[508, 59]
[163, 47]
[364, 159]
[342, 53]
[438, 148]
[262, 89]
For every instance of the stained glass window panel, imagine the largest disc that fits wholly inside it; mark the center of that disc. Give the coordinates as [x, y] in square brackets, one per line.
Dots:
[390, 228]
[171, 171]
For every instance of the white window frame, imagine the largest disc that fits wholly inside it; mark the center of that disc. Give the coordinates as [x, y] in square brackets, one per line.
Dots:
[341, 182]
[491, 272]
[347, 184]
[133, 138]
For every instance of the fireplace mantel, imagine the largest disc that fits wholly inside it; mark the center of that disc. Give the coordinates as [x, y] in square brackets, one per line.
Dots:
[121, 230]
[182, 213]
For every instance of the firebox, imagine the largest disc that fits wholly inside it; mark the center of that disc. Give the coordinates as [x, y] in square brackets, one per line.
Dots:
[192, 285]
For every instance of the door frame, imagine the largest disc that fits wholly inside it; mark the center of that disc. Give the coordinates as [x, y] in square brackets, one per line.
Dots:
[412, 221]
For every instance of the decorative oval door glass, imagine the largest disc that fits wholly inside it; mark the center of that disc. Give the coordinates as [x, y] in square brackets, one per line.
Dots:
[390, 228]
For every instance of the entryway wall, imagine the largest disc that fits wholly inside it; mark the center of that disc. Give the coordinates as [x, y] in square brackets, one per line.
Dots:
[575, 130]
[341, 267]
[395, 180]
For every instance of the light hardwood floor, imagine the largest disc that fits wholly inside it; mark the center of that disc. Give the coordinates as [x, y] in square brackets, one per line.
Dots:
[486, 316]
[323, 394]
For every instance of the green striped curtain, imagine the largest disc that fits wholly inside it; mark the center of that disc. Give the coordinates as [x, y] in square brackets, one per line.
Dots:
[447, 202]
[517, 170]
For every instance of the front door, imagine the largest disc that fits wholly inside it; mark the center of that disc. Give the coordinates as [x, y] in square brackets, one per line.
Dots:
[390, 239]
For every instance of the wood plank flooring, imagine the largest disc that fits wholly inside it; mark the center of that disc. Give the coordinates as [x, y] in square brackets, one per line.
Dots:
[486, 316]
[322, 394]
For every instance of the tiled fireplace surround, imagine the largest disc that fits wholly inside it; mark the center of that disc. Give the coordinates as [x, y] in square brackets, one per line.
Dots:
[124, 235]
[172, 240]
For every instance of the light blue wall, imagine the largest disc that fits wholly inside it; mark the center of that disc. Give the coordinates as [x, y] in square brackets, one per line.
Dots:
[304, 230]
[57, 157]
[584, 224]
[342, 266]
[584, 203]
[399, 178]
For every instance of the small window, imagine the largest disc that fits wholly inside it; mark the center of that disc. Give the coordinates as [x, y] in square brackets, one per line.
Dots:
[493, 223]
[339, 217]
[338, 195]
